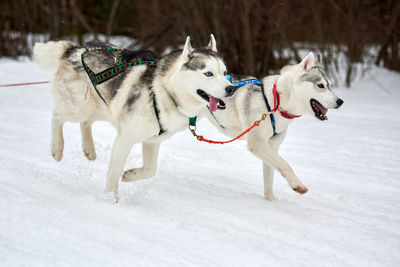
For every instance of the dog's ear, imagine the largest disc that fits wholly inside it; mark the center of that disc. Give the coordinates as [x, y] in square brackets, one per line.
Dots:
[212, 44]
[187, 49]
[308, 61]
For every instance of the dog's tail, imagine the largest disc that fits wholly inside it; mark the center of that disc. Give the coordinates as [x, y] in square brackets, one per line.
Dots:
[48, 54]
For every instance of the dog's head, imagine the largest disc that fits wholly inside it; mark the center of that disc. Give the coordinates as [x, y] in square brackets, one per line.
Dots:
[201, 72]
[311, 87]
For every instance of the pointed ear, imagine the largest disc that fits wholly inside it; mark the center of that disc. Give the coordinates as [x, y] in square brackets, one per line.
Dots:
[187, 49]
[308, 61]
[212, 44]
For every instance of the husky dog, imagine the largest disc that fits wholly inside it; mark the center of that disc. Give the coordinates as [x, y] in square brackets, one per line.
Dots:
[302, 88]
[146, 104]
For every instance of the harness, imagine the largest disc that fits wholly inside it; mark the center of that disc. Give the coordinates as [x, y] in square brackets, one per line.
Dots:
[259, 83]
[117, 69]
[109, 73]
[114, 71]
[256, 123]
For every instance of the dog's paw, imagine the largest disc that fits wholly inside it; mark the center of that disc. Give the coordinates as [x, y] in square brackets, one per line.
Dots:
[57, 153]
[301, 189]
[91, 155]
[130, 176]
[270, 197]
[113, 196]
[137, 174]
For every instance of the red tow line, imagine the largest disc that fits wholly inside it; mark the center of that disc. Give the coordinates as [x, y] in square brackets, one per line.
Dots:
[22, 84]
[201, 138]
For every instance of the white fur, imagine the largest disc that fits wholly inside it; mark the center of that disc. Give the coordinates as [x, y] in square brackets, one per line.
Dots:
[48, 54]
[247, 106]
[76, 101]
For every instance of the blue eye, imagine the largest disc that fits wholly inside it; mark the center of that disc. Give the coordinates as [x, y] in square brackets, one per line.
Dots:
[208, 74]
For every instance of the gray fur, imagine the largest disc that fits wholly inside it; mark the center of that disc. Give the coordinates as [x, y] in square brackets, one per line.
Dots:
[196, 59]
[134, 95]
[315, 75]
[148, 76]
[194, 63]
[114, 84]
[206, 52]
[167, 61]
[98, 58]
[70, 51]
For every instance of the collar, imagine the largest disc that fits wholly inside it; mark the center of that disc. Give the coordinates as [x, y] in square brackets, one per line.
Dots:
[277, 103]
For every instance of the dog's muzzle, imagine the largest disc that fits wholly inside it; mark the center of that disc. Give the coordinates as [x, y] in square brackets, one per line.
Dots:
[230, 90]
[339, 102]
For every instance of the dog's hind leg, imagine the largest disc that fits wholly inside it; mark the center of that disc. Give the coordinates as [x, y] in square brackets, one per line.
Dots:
[150, 156]
[268, 171]
[268, 155]
[122, 146]
[57, 137]
[87, 140]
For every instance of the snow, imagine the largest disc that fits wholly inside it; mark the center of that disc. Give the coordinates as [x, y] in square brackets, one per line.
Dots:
[205, 206]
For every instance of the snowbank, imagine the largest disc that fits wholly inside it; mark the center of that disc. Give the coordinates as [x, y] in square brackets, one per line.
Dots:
[205, 206]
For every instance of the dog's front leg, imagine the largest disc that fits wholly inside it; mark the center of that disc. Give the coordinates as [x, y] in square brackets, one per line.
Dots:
[122, 146]
[150, 156]
[268, 171]
[269, 156]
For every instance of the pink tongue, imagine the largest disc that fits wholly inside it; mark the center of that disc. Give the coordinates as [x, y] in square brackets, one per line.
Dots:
[323, 109]
[213, 103]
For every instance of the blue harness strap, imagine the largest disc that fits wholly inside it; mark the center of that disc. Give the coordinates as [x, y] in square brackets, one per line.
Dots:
[271, 116]
[256, 82]
[238, 84]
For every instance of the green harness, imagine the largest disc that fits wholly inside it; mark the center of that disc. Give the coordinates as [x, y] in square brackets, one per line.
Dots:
[113, 71]
[117, 69]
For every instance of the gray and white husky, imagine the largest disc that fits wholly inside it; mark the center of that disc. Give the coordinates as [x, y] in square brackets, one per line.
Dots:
[146, 104]
[302, 88]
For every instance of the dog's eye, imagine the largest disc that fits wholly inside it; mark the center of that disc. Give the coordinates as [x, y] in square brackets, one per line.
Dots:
[320, 85]
[208, 74]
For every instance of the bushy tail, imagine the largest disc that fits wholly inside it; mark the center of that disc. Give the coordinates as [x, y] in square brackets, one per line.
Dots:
[48, 54]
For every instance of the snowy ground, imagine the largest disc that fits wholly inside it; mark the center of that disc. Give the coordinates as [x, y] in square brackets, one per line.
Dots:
[205, 206]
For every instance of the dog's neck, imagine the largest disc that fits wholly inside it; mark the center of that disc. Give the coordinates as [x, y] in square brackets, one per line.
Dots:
[174, 110]
[288, 101]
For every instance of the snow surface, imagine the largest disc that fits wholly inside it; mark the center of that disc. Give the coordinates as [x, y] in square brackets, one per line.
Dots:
[205, 205]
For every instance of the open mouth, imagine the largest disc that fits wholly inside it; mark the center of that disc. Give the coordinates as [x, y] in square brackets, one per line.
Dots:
[213, 102]
[319, 110]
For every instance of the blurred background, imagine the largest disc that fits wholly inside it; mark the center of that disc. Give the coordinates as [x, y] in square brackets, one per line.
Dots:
[254, 37]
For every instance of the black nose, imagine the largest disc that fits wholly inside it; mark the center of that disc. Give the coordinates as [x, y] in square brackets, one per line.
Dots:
[230, 90]
[339, 102]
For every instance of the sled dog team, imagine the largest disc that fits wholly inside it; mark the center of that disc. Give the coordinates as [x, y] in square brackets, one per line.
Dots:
[148, 99]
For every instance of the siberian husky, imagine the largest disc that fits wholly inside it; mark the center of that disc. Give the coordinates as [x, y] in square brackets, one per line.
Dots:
[302, 89]
[146, 104]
